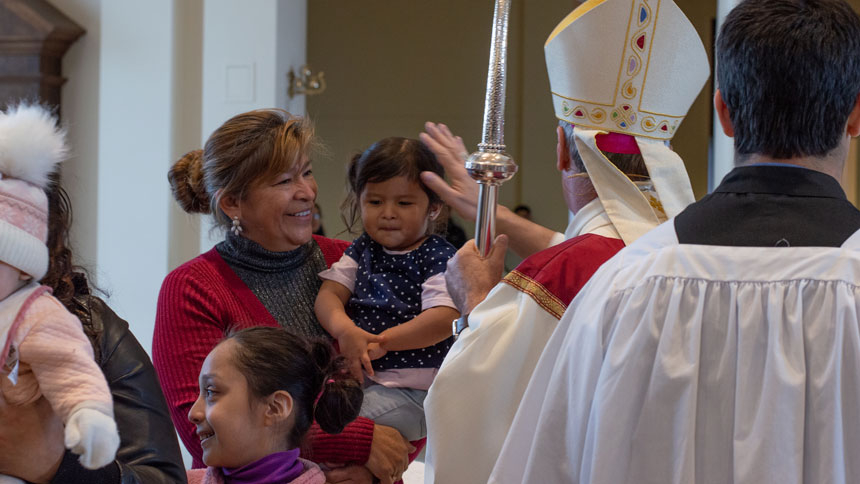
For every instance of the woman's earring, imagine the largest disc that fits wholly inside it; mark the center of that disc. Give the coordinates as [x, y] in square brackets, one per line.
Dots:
[237, 226]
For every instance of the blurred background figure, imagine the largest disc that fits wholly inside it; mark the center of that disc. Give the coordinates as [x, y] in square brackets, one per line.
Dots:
[523, 211]
[455, 234]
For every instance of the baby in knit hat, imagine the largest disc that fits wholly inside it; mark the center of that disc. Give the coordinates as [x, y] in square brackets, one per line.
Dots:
[44, 349]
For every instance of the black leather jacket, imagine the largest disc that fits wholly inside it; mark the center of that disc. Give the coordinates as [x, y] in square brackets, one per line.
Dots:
[149, 451]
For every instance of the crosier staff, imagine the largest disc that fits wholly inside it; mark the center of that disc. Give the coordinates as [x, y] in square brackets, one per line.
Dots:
[490, 166]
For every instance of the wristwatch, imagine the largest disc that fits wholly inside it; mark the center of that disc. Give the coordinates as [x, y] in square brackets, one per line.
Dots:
[459, 324]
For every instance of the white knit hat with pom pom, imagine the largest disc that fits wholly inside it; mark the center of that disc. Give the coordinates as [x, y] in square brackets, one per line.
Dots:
[31, 146]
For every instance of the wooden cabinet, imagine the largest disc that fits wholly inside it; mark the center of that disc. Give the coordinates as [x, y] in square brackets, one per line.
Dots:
[34, 36]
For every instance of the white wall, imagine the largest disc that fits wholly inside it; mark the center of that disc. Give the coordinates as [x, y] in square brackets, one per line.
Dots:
[723, 148]
[117, 105]
[135, 148]
[80, 113]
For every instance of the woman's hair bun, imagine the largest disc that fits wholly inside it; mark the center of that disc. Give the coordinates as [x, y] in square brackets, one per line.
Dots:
[186, 181]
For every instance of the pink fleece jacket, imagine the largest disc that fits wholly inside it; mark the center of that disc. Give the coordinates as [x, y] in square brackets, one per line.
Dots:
[213, 475]
[55, 360]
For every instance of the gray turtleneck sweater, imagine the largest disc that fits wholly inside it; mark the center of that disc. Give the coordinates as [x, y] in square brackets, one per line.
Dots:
[286, 283]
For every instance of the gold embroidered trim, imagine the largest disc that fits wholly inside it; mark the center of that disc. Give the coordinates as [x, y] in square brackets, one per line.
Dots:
[606, 130]
[629, 117]
[537, 291]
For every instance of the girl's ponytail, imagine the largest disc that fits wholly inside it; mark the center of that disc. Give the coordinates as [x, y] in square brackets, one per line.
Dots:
[340, 396]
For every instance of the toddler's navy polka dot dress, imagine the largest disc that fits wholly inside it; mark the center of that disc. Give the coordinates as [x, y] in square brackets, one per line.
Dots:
[388, 292]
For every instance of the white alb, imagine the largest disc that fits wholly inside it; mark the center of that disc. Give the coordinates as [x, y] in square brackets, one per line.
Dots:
[699, 364]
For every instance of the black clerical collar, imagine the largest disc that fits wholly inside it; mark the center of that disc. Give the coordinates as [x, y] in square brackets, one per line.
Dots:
[781, 179]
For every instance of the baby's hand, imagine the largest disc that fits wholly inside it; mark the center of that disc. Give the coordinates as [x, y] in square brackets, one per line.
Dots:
[353, 346]
[375, 351]
[94, 436]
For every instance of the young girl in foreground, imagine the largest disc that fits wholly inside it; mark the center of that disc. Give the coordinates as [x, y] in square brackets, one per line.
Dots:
[386, 299]
[260, 389]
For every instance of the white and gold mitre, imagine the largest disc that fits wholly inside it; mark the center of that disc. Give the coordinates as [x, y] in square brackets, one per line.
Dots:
[626, 66]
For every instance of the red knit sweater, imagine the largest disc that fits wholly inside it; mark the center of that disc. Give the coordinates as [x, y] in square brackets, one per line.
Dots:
[197, 302]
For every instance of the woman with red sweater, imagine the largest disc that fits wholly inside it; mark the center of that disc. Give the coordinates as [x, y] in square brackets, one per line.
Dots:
[254, 176]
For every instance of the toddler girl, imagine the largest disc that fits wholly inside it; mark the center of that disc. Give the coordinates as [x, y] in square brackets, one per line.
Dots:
[260, 390]
[386, 299]
[43, 348]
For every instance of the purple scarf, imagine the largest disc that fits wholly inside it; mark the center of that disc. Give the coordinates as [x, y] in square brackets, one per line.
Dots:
[276, 468]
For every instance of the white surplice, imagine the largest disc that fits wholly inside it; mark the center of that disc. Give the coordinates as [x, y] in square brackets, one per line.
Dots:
[699, 364]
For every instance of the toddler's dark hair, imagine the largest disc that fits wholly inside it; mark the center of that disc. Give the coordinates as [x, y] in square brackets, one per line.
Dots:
[273, 359]
[384, 160]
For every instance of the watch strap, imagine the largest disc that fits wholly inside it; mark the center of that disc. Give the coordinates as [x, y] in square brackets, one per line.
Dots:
[459, 324]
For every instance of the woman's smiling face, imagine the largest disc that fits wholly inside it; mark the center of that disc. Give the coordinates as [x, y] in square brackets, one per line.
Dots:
[278, 213]
[230, 420]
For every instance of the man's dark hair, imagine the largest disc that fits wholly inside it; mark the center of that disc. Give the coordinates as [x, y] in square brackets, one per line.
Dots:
[789, 72]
